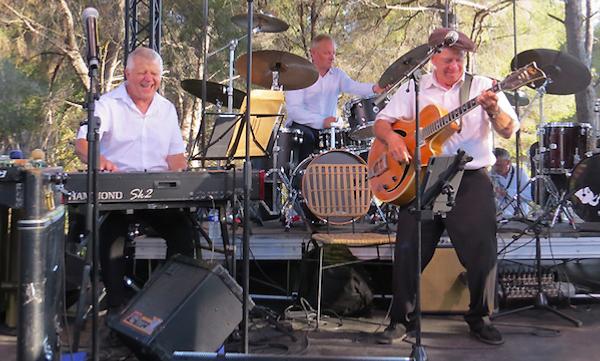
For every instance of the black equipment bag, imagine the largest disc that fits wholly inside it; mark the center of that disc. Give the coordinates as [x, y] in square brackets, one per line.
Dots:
[345, 291]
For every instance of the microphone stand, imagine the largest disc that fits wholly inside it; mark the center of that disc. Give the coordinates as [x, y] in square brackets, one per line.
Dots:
[92, 212]
[518, 208]
[247, 185]
[418, 350]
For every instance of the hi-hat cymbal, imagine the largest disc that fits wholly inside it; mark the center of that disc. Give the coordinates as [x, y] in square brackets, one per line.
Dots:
[265, 23]
[295, 72]
[520, 101]
[567, 74]
[215, 92]
[402, 65]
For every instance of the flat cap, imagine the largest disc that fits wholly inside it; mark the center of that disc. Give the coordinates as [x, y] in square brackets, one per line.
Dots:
[438, 36]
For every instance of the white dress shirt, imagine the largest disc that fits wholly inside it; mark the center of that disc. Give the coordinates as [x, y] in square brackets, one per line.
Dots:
[508, 203]
[309, 106]
[134, 141]
[475, 136]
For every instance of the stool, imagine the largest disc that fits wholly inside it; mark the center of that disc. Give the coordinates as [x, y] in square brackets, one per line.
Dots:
[350, 240]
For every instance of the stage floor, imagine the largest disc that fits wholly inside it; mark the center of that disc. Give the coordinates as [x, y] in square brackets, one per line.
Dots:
[271, 242]
[532, 335]
[529, 336]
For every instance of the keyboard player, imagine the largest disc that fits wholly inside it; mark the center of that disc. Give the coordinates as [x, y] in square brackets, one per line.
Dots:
[139, 131]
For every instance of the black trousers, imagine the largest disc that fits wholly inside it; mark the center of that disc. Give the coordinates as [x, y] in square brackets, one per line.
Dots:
[309, 142]
[174, 225]
[471, 225]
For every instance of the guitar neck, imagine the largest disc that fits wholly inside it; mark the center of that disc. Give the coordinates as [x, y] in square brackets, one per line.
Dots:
[447, 119]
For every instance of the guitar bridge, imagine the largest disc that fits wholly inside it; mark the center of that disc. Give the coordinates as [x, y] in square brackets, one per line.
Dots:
[379, 167]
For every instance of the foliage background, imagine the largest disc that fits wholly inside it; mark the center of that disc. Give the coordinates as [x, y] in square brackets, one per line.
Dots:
[43, 71]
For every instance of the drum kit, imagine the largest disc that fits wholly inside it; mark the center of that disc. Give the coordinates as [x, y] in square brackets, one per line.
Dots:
[565, 152]
[345, 146]
[566, 149]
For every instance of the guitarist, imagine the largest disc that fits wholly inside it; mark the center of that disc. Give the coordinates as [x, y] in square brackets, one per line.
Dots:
[471, 224]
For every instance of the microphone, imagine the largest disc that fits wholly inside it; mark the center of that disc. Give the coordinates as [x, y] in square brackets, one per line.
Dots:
[90, 15]
[450, 39]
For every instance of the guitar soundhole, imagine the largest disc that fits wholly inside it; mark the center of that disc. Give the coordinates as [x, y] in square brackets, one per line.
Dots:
[401, 132]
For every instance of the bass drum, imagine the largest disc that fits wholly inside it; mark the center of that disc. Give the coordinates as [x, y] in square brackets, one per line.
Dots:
[584, 185]
[333, 187]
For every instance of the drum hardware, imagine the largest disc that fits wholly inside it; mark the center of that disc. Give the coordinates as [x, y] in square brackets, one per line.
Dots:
[564, 145]
[329, 187]
[273, 69]
[263, 22]
[216, 93]
[284, 160]
[520, 100]
[583, 189]
[507, 201]
[333, 138]
[361, 114]
[565, 75]
[556, 204]
[398, 73]
[568, 75]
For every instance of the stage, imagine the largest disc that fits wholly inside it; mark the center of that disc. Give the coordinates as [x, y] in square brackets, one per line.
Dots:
[272, 242]
[530, 336]
[276, 258]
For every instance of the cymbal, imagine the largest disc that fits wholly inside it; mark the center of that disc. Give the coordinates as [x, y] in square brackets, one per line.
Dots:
[265, 23]
[520, 101]
[295, 72]
[215, 92]
[402, 65]
[568, 75]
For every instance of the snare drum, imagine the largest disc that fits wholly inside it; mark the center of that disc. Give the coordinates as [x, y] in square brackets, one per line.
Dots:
[333, 138]
[286, 148]
[361, 113]
[333, 187]
[564, 145]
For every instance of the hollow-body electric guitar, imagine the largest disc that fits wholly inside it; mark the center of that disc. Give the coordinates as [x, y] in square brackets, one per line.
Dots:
[394, 182]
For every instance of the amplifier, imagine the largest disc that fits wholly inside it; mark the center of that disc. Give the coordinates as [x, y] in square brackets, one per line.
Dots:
[187, 305]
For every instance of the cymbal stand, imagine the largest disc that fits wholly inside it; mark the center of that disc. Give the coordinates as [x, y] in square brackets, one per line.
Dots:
[292, 201]
[232, 45]
[515, 201]
[275, 73]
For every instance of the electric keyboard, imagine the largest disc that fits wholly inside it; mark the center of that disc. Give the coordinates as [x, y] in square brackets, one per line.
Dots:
[161, 189]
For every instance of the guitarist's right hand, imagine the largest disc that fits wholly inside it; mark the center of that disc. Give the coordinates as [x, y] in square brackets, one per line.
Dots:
[397, 147]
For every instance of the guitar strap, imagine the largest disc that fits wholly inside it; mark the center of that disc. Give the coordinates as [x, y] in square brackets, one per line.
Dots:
[463, 92]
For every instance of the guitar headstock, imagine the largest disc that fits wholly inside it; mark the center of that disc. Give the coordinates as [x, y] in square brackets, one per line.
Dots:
[522, 76]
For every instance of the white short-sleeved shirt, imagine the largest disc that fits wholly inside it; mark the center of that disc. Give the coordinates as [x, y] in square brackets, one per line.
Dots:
[309, 106]
[475, 136]
[134, 141]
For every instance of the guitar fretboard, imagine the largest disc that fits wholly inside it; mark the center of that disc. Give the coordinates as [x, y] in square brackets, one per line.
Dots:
[441, 123]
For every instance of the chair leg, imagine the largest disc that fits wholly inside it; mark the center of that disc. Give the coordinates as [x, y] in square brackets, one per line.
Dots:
[320, 285]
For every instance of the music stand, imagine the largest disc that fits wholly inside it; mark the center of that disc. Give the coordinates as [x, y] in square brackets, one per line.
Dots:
[227, 138]
[221, 136]
[265, 119]
[442, 180]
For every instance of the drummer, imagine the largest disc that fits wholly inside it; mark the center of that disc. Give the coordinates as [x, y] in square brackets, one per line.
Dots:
[314, 108]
